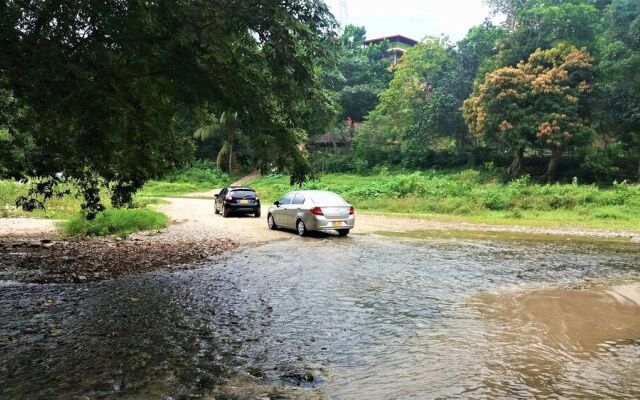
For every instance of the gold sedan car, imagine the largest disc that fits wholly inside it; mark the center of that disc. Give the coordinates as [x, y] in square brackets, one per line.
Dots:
[312, 210]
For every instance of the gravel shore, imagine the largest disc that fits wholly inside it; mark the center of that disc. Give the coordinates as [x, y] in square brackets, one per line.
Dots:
[31, 250]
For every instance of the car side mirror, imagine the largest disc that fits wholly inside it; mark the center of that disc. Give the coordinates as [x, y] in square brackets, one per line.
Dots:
[217, 195]
[277, 204]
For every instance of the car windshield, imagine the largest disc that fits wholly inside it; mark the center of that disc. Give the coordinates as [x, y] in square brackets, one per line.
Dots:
[328, 198]
[243, 193]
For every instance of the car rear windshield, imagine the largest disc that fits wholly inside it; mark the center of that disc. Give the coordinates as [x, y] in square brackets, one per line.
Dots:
[241, 194]
[327, 198]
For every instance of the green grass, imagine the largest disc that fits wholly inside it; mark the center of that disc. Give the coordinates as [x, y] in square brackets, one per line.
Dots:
[118, 222]
[479, 197]
[55, 208]
[197, 177]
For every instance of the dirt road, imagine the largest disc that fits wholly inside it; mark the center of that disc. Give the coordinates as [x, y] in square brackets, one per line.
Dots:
[193, 219]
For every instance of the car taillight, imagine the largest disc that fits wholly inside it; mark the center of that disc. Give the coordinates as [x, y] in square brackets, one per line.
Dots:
[316, 211]
[351, 210]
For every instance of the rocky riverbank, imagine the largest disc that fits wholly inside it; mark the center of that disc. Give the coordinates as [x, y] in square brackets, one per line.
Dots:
[90, 259]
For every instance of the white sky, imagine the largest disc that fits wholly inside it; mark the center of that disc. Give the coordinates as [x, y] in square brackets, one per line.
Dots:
[413, 18]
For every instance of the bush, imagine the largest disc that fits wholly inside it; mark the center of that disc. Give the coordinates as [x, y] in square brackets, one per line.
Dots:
[197, 177]
[119, 222]
[199, 173]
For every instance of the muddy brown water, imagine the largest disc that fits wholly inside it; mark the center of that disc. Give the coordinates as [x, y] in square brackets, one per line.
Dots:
[327, 317]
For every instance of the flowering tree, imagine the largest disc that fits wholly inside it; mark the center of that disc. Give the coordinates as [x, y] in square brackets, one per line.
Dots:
[538, 103]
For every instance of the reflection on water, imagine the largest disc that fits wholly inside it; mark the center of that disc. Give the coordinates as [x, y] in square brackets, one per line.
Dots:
[360, 317]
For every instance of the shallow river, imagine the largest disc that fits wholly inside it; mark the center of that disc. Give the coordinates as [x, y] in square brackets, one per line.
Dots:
[359, 317]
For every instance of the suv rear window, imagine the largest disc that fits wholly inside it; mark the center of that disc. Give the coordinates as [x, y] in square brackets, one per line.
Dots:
[241, 194]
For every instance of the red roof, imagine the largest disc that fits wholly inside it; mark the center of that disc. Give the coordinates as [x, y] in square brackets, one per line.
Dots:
[393, 38]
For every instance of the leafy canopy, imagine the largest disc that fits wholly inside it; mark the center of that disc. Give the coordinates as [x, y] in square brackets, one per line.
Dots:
[90, 89]
[539, 103]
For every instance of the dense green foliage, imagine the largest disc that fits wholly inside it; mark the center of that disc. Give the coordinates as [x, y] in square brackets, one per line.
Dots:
[474, 195]
[554, 92]
[96, 92]
[362, 72]
[197, 177]
[118, 222]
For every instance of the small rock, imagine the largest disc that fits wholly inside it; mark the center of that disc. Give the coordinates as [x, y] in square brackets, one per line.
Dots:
[47, 245]
[635, 239]
[82, 278]
[45, 241]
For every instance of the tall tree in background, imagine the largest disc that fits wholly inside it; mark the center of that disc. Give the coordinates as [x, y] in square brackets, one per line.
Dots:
[508, 8]
[619, 72]
[412, 85]
[543, 24]
[225, 127]
[540, 103]
[93, 86]
[362, 72]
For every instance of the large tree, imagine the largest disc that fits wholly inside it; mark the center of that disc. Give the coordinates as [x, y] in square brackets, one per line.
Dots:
[539, 103]
[90, 88]
[547, 23]
[412, 85]
[361, 73]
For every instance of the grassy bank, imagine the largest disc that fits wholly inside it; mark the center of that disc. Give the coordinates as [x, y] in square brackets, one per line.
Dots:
[477, 197]
[120, 222]
[198, 177]
[55, 208]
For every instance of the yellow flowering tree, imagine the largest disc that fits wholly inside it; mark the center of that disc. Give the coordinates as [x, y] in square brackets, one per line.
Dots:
[539, 103]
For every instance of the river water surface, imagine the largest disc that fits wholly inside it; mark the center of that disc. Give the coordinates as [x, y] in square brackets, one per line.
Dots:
[359, 317]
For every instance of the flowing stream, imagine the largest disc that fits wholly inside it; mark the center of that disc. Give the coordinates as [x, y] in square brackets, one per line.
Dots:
[360, 317]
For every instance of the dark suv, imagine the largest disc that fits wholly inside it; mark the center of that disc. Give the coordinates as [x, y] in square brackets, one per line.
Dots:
[237, 199]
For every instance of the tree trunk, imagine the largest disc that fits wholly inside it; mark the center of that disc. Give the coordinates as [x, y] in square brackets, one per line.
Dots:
[556, 153]
[230, 134]
[515, 168]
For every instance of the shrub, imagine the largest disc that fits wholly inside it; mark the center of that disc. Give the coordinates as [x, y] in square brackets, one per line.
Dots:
[119, 222]
[196, 177]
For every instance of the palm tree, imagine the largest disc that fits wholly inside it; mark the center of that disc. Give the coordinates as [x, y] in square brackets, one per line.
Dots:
[226, 126]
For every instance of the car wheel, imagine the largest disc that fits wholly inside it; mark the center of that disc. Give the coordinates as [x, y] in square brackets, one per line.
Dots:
[301, 228]
[271, 223]
[215, 210]
[257, 213]
[343, 232]
[225, 211]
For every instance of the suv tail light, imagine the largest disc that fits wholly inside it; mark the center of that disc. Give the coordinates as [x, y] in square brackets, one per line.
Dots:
[351, 210]
[316, 211]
